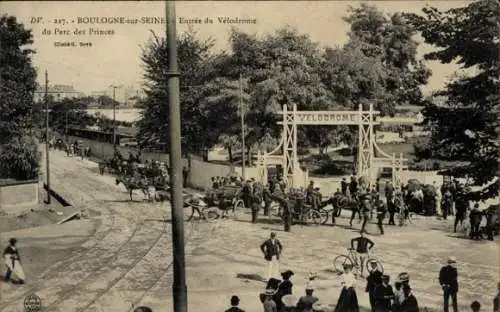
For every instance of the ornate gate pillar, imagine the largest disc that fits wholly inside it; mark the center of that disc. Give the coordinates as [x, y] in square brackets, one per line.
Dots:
[289, 146]
[365, 143]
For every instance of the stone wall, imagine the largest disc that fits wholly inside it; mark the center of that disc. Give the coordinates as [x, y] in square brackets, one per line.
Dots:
[19, 196]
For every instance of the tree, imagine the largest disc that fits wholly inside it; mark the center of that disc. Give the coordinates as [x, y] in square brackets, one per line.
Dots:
[281, 68]
[107, 102]
[466, 127]
[18, 154]
[196, 67]
[17, 79]
[19, 158]
[70, 112]
[389, 40]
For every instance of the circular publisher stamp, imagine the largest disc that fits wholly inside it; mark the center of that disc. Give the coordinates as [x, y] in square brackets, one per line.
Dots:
[32, 303]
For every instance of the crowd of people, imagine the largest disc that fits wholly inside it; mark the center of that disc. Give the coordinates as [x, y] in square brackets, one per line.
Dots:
[382, 200]
[383, 297]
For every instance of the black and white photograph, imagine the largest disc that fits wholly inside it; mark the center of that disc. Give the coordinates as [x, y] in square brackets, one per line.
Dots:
[249, 156]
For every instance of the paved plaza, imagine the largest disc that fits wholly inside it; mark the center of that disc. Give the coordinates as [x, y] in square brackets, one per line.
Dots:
[123, 257]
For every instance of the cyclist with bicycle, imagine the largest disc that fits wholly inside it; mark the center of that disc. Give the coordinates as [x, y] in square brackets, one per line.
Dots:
[363, 246]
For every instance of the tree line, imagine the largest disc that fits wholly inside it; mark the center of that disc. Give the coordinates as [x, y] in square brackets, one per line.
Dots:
[377, 65]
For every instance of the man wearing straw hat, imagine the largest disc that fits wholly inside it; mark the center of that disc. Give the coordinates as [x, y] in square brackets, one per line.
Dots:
[448, 278]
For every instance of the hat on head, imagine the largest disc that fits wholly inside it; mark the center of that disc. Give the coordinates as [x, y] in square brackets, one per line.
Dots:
[287, 273]
[403, 277]
[12, 240]
[235, 300]
[269, 292]
[475, 305]
[452, 260]
[309, 286]
[386, 277]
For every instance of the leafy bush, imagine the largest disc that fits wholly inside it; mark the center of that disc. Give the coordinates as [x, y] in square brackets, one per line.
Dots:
[421, 148]
[20, 158]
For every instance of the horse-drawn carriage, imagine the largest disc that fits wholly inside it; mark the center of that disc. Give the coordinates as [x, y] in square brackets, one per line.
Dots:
[302, 210]
[226, 198]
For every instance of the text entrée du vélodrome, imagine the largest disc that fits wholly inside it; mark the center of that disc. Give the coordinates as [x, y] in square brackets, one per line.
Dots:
[162, 20]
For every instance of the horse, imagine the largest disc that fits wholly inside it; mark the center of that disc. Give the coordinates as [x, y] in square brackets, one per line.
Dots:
[132, 184]
[340, 202]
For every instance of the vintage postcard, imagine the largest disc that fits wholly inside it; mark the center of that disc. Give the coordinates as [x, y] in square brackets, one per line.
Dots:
[249, 156]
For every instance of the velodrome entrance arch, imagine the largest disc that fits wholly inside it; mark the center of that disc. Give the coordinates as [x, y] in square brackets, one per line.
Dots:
[366, 161]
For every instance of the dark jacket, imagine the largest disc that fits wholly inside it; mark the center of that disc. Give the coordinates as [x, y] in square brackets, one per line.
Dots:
[448, 276]
[284, 288]
[496, 303]
[269, 249]
[373, 280]
[410, 304]
[383, 296]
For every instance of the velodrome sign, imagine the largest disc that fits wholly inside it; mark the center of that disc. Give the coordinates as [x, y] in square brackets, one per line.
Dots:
[327, 117]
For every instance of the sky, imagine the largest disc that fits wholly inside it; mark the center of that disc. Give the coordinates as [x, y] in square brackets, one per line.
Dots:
[114, 59]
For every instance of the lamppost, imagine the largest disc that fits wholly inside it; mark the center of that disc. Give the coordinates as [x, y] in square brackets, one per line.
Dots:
[242, 113]
[47, 160]
[179, 288]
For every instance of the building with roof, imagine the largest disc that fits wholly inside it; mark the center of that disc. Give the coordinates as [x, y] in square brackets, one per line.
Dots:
[58, 92]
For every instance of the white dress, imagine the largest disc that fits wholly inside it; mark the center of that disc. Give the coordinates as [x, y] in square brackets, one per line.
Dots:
[348, 280]
[15, 266]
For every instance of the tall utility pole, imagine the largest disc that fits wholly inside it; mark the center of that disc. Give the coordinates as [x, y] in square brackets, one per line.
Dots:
[242, 113]
[179, 287]
[114, 114]
[47, 160]
[66, 127]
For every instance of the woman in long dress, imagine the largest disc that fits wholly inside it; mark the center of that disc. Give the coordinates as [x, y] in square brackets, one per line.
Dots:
[348, 300]
[13, 262]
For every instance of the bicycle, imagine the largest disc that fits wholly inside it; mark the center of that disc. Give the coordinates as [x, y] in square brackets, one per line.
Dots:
[352, 258]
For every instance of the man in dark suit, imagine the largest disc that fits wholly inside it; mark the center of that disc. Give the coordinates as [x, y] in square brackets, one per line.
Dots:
[383, 296]
[448, 278]
[272, 249]
[373, 281]
[343, 186]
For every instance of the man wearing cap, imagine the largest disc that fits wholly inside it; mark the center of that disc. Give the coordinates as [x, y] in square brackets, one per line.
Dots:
[235, 301]
[448, 278]
[272, 249]
[373, 281]
[383, 296]
[305, 303]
